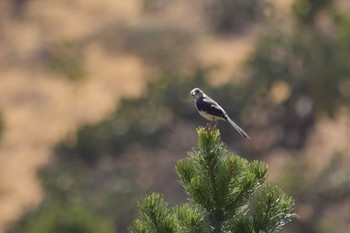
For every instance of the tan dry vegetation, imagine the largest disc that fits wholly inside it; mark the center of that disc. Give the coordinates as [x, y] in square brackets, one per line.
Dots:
[39, 111]
[40, 107]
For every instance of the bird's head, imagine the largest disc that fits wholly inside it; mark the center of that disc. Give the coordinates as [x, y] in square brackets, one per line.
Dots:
[197, 93]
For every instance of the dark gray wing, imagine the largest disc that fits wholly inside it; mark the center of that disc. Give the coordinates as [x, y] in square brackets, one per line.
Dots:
[209, 106]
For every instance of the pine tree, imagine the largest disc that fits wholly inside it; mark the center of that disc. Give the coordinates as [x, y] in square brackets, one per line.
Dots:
[226, 194]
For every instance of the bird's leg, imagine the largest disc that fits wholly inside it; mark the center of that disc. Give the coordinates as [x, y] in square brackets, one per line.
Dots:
[208, 126]
[215, 123]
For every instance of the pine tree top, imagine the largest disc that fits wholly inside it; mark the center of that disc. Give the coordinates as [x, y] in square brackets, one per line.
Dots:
[226, 194]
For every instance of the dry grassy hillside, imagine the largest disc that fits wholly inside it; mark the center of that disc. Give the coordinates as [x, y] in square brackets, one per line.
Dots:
[40, 106]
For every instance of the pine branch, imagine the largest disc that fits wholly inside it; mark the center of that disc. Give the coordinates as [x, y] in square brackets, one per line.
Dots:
[273, 210]
[191, 219]
[155, 216]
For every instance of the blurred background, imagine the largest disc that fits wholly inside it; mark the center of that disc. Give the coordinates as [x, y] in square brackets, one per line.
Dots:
[95, 107]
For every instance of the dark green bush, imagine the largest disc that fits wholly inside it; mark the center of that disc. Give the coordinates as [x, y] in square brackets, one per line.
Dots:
[228, 16]
[305, 11]
[66, 58]
[67, 218]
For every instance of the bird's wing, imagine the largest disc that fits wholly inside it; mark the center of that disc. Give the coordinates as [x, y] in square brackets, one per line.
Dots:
[209, 106]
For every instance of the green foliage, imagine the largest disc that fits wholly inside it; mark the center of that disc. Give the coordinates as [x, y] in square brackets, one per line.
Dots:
[221, 187]
[273, 210]
[306, 11]
[209, 177]
[111, 193]
[190, 219]
[71, 218]
[155, 215]
[223, 16]
[227, 16]
[311, 62]
[67, 58]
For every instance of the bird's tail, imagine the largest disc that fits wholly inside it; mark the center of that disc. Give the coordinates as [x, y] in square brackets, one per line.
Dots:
[239, 130]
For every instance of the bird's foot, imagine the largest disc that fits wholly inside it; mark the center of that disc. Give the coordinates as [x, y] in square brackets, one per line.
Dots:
[208, 126]
[211, 126]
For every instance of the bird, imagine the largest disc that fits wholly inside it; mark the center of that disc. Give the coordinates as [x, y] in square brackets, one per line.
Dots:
[212, 111]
